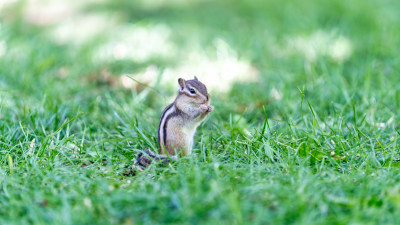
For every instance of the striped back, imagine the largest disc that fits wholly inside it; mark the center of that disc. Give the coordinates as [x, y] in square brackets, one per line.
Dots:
[168, 112]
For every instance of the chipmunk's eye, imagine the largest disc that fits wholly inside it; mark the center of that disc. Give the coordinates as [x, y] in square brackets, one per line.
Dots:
[192, 91]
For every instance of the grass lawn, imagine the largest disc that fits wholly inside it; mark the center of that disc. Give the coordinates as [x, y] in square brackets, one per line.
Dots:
[305, 128]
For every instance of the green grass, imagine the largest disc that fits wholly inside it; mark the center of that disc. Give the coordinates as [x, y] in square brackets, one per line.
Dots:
[314, 141]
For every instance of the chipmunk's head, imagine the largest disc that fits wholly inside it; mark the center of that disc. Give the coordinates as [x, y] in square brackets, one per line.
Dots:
[193, 92]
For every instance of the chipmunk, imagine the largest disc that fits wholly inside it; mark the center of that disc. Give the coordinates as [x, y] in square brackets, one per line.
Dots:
[179, 121]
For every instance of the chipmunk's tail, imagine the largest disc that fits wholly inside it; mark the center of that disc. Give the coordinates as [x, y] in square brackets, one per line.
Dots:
[146, 157]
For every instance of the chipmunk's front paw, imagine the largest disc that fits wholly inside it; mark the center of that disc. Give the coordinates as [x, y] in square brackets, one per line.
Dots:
[204, 108]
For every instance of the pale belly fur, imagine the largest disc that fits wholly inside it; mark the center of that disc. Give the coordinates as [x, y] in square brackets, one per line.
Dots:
[189, 135]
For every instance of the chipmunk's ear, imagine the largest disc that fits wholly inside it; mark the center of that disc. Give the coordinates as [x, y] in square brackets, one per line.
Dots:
[195, 78]
[182, 84]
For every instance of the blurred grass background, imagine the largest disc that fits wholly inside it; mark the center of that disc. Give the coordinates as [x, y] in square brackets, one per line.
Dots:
[305, 129]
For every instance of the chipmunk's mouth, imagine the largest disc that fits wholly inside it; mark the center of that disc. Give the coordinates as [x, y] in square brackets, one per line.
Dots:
[205, 102]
